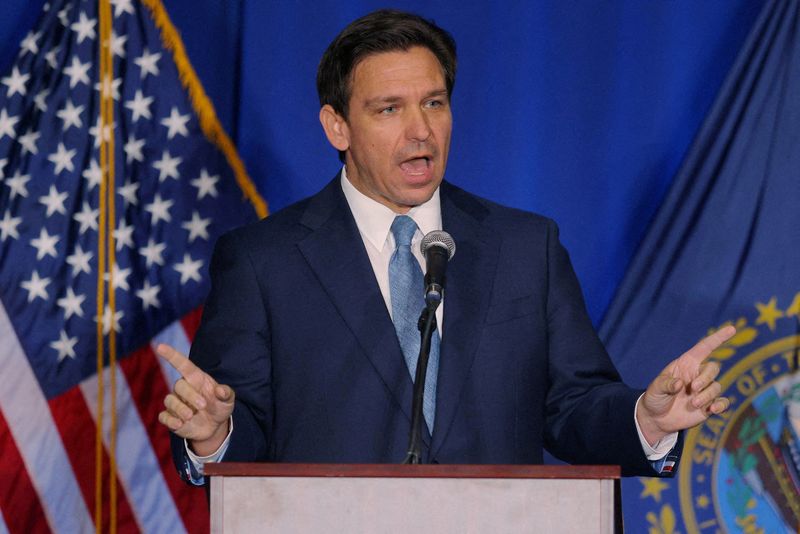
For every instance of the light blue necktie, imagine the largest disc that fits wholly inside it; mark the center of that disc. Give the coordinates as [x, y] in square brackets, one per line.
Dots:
[406, 285]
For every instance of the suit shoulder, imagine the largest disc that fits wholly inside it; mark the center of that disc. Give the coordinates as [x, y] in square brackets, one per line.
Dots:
[497, 215]
[276, 229]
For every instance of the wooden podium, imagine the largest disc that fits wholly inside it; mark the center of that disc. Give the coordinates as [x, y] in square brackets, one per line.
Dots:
[407, 498]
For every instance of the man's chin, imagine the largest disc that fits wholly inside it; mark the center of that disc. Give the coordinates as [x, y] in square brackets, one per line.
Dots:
[417, 195]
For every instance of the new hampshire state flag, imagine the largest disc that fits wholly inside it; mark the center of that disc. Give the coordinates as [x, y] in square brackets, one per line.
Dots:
[725, 248]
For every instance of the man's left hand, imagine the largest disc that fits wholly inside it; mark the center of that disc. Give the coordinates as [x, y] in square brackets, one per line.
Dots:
[685, 393]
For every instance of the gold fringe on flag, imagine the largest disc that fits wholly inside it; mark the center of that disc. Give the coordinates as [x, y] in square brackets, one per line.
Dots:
[209, 123]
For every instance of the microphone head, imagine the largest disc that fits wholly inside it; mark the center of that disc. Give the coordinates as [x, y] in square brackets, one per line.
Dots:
[438, 238]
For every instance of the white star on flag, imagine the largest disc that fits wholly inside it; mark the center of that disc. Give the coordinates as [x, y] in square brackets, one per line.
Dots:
[147, 62]
[28, 142]
[176, 123]
[36, 287]
[54, 201]
[133, 149]
[79, 260]
[205, 184]
[15, 82]
[198, 227]
[40, 100]
[122, 6]
[65, 346]
[8, 226]
[78, 72]
[45, 244]
[84, 28]
[87, 217]
[149, 295]
[63, 16]
[139, 106]
[29, 43]
[128, 193]
[119, 277]
[118, 44]
[123, 235]
[152, 253]
[71, 115]
[189, 269]
[95, 130]
[52, 57]
[71, 304]
[17, 184]
[7, 124]
[93, 175]
[109, 87]
[62, 159]
[159, 209]
[167, 166]
[109, 320]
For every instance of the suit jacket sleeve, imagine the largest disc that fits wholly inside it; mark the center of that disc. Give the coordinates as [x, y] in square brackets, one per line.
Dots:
[589, 411]
[232, 345]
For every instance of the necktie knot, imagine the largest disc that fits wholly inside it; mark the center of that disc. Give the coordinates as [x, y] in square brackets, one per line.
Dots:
[403, 230]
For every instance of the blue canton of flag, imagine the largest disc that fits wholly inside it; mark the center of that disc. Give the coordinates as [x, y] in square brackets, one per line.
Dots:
[176, 191]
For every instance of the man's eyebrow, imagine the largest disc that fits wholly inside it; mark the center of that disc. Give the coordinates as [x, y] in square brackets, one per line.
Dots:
[391, 99]
[382, 100]
[438, 92]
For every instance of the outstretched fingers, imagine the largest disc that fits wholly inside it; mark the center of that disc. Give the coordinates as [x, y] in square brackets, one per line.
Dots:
[707, 374]
[177, 359]
[709, 344]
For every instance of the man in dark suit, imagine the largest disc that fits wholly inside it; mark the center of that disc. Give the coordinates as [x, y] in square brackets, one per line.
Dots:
[302, 353]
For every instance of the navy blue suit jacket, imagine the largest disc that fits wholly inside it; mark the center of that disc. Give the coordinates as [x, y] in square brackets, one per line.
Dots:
[296, 324]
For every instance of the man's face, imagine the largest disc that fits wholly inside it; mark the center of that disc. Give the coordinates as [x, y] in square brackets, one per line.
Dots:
[397, 133]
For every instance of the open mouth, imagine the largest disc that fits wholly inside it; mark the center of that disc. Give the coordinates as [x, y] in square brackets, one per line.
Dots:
[416, 166]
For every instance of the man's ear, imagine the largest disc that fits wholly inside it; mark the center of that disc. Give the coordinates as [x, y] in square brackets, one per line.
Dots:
[335, 127]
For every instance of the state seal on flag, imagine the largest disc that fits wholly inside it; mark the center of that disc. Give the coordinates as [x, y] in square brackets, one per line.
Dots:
[740, 470]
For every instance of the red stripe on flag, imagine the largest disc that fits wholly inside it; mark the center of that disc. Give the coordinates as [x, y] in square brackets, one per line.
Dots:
[191, 322]
[77, 428]
[148, 389]
[22, 510]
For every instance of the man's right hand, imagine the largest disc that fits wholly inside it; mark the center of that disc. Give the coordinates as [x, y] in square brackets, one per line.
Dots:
[198, 409]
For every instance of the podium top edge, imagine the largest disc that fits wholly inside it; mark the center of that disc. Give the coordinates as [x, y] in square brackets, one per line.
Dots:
[234, 469]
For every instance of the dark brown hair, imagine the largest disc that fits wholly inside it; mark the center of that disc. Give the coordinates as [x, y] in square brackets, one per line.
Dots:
[381, 31]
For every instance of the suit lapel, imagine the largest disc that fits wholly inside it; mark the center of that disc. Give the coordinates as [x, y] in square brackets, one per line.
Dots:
[335, 252]
[469, 276]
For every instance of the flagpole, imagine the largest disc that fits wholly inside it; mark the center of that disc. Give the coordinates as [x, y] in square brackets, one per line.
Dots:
[107, 223]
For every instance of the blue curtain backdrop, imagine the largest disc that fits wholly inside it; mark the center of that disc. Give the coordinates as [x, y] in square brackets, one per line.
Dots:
[582, 111]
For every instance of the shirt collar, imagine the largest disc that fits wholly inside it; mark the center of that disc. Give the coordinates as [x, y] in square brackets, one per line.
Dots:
[374, 220]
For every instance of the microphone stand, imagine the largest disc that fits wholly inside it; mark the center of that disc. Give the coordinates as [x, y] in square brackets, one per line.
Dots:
[426, 325]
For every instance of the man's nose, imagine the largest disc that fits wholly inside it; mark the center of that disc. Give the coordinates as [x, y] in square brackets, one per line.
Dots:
[418, 127]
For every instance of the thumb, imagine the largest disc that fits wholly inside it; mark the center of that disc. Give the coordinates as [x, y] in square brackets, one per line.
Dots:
[668, 385]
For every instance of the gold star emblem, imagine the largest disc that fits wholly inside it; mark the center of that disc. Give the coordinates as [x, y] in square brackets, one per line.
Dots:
[794, 307]
[768, 313]
[653, 488]
[703, 501]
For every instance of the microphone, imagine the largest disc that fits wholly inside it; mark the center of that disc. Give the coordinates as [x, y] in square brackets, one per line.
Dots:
[437, 247]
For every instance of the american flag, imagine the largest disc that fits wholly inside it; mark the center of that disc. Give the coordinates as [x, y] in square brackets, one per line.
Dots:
[178, 184]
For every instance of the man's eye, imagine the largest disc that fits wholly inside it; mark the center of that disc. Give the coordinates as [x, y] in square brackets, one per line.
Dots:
[388, 110]
[433, 104]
